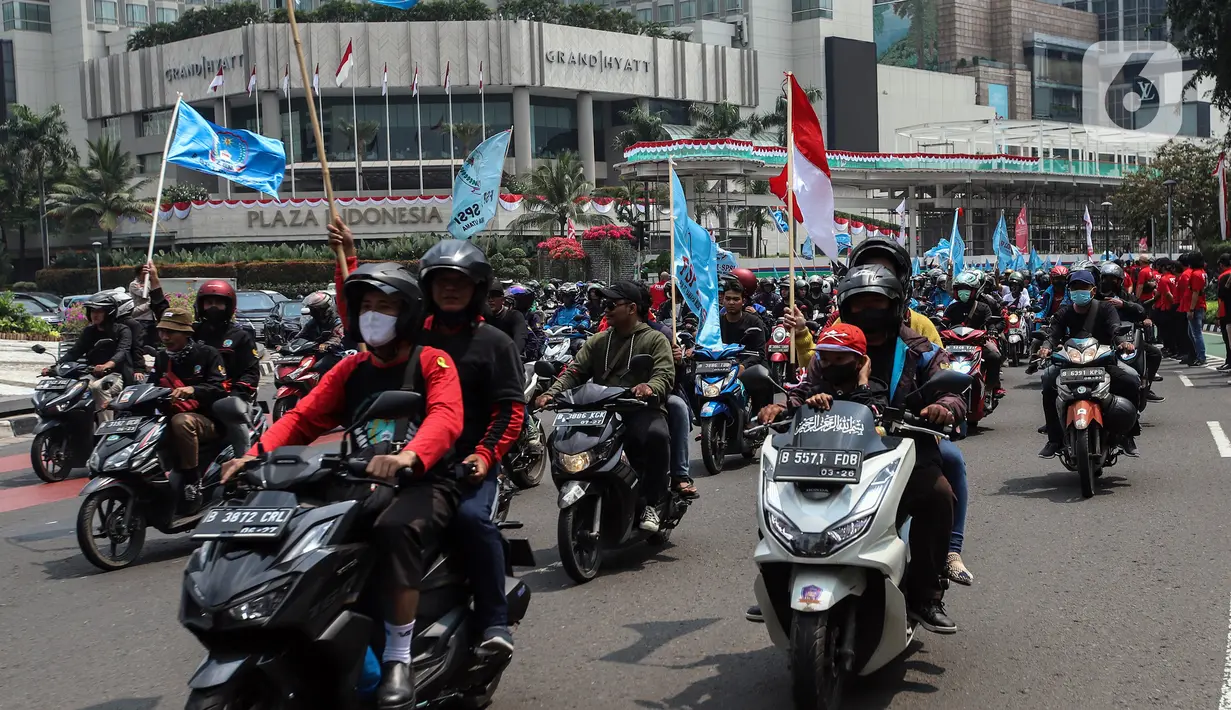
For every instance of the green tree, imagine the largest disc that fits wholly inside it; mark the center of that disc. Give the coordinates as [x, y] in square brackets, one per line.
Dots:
[1200, 28]
[36, 151]
[184, 192]
[553, 197]
[366, 131]
[643, 126]
[1143, 196]
[722, 120]
[465, 135]
[776, 119]
[102, 192]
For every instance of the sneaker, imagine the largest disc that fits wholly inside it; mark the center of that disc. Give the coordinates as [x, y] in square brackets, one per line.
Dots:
[649, 519]
[1197, 362]
[1130, 446]
[1032, 367]
[496, 641]
[931, 616]
[754, 614]
[1042, 429]
[1225, 366]
[1050, 449]
[1155, 397]
[1158, 378]
[957, 571]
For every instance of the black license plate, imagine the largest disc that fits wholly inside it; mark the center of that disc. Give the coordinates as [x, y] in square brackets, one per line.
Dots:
[595, 418]
[720, 367]
[1093, 374]
[127, 425]
[236, 523]
[53, 384]
[961, 348]
[779, 348]
[818, 466]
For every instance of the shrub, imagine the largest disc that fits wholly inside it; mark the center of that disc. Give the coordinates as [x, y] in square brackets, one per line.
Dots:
[25, 286]
[13, 319]
[608, 231]
[563, 249]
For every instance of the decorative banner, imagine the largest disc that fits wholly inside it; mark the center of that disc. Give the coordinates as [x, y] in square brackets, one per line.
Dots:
[1021, 231]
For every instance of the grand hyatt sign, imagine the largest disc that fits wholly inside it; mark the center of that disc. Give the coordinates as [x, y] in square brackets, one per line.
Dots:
[295, 218]
[598, 60]
[207, 67]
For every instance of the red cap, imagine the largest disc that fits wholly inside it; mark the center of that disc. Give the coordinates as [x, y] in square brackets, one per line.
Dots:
[843, 338]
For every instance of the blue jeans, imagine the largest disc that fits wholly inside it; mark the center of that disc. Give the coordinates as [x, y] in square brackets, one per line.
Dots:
[954, 468]
[1195, 325]
[482, 553]
[679, 423]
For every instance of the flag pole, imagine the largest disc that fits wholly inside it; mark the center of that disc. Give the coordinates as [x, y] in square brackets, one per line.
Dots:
[290, 128]
[388, 138]
[790, 198]
[162, 178]
[449, 93]
[354, 122]
[675, 313]
[419, 129]
[224, 124]
[482, 103]
[316, 131]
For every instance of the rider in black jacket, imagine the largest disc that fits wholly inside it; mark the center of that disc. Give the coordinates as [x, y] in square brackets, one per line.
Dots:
[1111, 290]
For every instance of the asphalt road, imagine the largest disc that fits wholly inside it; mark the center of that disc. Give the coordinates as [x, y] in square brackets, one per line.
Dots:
[1120, 601]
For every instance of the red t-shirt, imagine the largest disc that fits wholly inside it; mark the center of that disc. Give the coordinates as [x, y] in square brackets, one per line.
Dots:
[1166, 292]
[1222, 305]
[1144, 274]
[658, 294]
[1181, 291]
[1196, 287]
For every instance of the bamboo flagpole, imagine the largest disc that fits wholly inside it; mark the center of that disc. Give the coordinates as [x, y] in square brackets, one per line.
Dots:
[290, 123]
[675, 313]
[790, 200]
[162, 178]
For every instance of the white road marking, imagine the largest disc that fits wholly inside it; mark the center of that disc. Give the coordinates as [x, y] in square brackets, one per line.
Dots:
[1224, 450]
[1224, 700]
[1187, 382]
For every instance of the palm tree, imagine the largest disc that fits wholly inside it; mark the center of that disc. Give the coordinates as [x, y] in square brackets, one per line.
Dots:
[552, 198]
[464, 133]
[367, 132]
[36, 145]
[722, 120]
[644, 126]
[630, 193]
[777, 117]
[102, 192]
[754, 218]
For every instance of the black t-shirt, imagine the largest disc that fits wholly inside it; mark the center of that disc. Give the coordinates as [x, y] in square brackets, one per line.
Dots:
[733, 334]
[490, 371]
[1068, 323]
[512, 323]
[972, 315]
[882, 361]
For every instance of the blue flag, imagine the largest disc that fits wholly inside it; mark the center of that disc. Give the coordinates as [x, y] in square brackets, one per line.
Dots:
[780, 220]
[399, 4]
[1036, 263]
[916, 266]
[696, 269]
[940, 252]
[957, 248]
[237, 155]
[806, 249]
[477, 186]
[726, 262]
[843, 241]
[1000, 244]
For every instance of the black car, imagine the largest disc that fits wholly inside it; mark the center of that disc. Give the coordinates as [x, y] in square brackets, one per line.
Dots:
[251, 310]
[285, 323]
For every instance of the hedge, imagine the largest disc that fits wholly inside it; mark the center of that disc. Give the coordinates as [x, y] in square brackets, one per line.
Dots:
[268, 274]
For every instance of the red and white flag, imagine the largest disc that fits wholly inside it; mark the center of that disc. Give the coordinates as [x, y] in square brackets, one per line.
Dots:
[286, 81]
[414, 85]
[384, 81]
[252, 81]
[316, 80]
[811, 182]
[344, 67]
[216, 83]
[1221, 173]
[447, 84]
[1021, 232]
[1089, 233]
[900, 237]
[572, 229]
[480, 77]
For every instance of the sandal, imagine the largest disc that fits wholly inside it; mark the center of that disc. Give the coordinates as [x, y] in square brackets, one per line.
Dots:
[686, 489]
[957, 571]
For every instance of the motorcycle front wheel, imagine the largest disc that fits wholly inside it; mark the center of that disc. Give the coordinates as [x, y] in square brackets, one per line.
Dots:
[49, 455]
[234, 696]
[581, 552]
[817, 678]
[529, 470]
[1015, 357]
[1085, 466]
[284, 405]
[714, 444]
[100, 529]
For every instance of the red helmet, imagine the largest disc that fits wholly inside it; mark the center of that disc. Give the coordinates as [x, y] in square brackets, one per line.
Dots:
[219, 289]
[747, 280]
[1060, 270]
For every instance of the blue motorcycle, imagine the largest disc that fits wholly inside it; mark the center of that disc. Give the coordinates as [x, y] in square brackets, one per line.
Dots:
[724, 405]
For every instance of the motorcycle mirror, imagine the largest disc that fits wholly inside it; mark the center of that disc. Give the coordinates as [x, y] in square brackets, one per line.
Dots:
[104, 343]
[392, 404]
[38, 348]
[749, 334]
[641, 365]
[543, 368]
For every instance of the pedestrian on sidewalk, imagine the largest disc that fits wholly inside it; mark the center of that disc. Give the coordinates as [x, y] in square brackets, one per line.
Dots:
[1223, 289]
[1196, 307]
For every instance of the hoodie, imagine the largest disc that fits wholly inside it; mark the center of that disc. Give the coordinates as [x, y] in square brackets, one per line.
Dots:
[605, 357]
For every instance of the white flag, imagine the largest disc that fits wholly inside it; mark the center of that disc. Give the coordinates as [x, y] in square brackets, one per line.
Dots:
[216, 83]
[286, 81]
[414, 86]
[384, 81]
[1089, 233]
[480, 77]
[316, 80]
[252, 81]
[901, 210]
[447, 64]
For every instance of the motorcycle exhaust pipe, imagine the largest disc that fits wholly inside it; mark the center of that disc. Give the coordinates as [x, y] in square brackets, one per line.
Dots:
[1082, 412]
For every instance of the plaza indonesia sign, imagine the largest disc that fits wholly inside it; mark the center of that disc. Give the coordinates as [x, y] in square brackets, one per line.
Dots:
[598, 60]
[207, 67]
[295, 218]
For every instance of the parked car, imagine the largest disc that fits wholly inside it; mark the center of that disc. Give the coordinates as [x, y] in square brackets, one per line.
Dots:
[37, 308]
[278, 298]
[285, 323]
[251, 310]
[47, 299]
[68, 301]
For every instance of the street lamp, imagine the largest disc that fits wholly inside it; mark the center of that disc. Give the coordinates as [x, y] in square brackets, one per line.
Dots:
[1170, 185]
[1106, 227]
[98, 265]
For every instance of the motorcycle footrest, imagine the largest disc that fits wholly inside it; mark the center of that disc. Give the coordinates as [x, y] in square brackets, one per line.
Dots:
[510, 525]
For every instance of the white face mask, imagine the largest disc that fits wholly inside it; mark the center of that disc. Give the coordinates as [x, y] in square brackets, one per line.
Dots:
[377, 329]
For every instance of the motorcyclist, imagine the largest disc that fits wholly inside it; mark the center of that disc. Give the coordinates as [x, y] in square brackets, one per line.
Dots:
[143, 313]
[818, 294]
[195, 374]
[1019, 295]
[659, 292]
[509, 320]
[324, 327]
[734, 324]
[767, 298]
[115, 372]
[523, 302]
[1040, 283]
[125, 315]
[594, 302]
[679, 416]
[384, 308]
[570, 312]
[940, 296]
[970, 311]
[1111, 289]
[1070, 322]
[604, 359]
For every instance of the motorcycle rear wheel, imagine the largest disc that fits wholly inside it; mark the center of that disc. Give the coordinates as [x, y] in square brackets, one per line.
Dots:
[1015, 358]
[580, 556]
[284, 405]
[1085, 466]
[531, 474]
[817, 679]
[49, 456]
[714, 444]
[112, 521]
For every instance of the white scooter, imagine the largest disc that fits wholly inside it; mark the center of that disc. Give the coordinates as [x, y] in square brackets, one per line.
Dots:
[831, 559]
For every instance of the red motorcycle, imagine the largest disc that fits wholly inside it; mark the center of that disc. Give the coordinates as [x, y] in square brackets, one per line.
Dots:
[779, 347]
[298, 372]
[965, 348]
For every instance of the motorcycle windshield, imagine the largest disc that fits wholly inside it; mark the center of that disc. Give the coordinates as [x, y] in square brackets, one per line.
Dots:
[845, 426]
[591, 396]
[726, 351]
[136, 395]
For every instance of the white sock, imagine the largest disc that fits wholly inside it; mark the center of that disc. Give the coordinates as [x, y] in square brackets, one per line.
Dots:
[397, 642]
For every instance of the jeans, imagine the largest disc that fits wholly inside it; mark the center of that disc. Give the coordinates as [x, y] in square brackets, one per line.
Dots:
[482, 550]
[679, 423]
[1195, 326]
[954, 468]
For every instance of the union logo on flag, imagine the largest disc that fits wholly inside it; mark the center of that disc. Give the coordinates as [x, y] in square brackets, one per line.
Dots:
[230, 152]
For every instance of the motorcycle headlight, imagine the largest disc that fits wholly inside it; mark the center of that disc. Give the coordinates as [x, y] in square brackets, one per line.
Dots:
[95, 461]
[840, 534]
[726, 381]
[120, 459]
[576, 463]
[65, 400]
[261, 607]
[1014, 319]
[312, 541]
[710, 389]
[962, 366]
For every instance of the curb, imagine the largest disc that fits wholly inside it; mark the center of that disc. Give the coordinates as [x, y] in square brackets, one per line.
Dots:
[14, 427]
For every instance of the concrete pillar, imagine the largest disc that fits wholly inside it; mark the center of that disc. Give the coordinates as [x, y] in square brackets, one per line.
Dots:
[585, 134]
[271, 115]
[523, 130]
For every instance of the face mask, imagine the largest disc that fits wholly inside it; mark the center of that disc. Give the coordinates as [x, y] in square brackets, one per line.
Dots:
[214, 314]
[839, 375]
[1081, 298]
[874, 320]
[963, 296]
[377, 329]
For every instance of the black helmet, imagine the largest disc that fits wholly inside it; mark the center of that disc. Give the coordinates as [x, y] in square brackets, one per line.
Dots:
[1016, 278]
[871, 278]
[766, 284]
[106, 301]
[320, 306]
[816, 283]
[393, 280]
[883, 247]
[800, 285]
[1109, 272]
[464, 257]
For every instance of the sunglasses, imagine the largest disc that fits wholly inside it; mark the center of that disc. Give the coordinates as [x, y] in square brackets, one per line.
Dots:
[609, 305]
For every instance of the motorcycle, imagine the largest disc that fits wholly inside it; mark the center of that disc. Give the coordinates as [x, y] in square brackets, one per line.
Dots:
[965, 348]
[779, 348]
[725, 408]
[129, 489]
[600, 503]
[66, 414]
[563, 342]
[832, 557]
[278, 593]
[525, 462]
[1017, 336]
[297, 372]
[1094, 418]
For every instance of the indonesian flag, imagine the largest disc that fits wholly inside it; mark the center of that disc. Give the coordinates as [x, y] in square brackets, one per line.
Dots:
[1021, 232]
[900, 237]
[447, 84]
[316, 80]
[286, 80]
[480, 77]
[414, 85]
[572, 229]
[1089, 233]
[1221, 172]
[384, 81]
[252, 81]
[216, 83]
[348, 63]
[811, 182]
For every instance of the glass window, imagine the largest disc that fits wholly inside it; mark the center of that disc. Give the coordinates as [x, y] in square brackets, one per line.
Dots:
[155, 123]
[666, 14]
[148, 164]
[555, 126]
[735, 5]
[165, 14]
[31, 16]
[8, 85]
[688, 10]
[645, 14]
[111, 129]
[105, 11]
[709, 8]
[137, 15]
[811, 9]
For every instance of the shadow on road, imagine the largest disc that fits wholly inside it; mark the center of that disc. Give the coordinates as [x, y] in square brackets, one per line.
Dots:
[551, 577]
[160, 550]
[1058, 487]
[126, 704]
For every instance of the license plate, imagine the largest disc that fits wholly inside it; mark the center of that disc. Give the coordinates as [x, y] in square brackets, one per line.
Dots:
[127, 425]
[1082, 375]
[961, 348]
[235, 523]
[53, 384]
[595, 418]
[713, 368]
[779, 348]
[818, 466]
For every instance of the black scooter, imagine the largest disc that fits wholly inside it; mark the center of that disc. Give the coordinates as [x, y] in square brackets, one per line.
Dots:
[600, 499]
[278, 593]
[66, 414]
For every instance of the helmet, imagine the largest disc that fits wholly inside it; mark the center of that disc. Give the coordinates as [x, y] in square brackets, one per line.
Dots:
[567, 290]
[746, 279]
[766, 284]
[1085, 265]
[1059, 271]
[968, 279]
[800, 285]
[816, 283]
[549, 288]
[125, 306]
[522, 297]
[321, 306]
[392, 280]
[870, 278]
[461, 256]
[784, 282]
[219, 289]
[1110, 273]
[896, 253]
[592, 287]
[106, 301]
[1016, 278]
